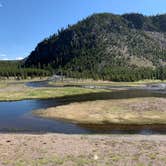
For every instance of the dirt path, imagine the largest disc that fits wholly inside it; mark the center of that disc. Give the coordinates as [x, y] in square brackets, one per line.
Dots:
[79, 150]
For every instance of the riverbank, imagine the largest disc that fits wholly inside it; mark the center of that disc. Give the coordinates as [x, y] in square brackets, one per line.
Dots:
[136, 111]
[7, 83]
[84, 82]
[82, 150]
[93, 106]
[13, 91]
[87, 105]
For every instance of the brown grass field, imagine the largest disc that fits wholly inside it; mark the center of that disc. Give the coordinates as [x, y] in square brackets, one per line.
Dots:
[123, 111]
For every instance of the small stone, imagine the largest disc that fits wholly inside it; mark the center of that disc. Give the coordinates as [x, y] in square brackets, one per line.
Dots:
[8, 141]
[96, 157]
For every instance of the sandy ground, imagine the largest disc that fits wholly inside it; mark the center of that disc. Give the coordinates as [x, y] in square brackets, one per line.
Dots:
[79, 150]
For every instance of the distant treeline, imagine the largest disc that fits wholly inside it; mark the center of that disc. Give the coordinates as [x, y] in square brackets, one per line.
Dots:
[15, 69]
[121, 74]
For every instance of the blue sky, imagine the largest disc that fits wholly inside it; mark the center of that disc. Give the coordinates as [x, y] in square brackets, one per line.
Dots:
[24, 23]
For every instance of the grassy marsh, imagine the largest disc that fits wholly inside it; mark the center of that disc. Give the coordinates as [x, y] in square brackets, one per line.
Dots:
[103, 83]
[21, 92]
[92, 106]
[136, 111]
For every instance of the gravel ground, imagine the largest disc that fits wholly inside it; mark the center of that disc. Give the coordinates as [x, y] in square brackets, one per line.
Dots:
[82, 150]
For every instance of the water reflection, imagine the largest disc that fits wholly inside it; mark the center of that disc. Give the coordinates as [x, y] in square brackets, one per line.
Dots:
[17, 117]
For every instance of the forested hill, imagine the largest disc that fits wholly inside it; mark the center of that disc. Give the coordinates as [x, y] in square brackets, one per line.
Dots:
[106, 46]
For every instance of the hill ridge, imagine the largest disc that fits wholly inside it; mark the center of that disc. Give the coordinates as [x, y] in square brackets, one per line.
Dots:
[102, 43]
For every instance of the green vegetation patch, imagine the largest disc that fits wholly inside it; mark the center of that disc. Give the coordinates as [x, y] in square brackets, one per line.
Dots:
[20, 92]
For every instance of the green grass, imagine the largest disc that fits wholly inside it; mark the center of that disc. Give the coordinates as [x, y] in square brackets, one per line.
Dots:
[16, 92]
[104, 83]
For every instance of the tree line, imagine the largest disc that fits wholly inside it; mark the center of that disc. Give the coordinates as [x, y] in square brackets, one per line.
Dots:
[15, 69]
[120, 74]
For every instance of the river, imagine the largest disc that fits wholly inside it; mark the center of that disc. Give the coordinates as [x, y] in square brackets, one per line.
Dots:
[17, 116]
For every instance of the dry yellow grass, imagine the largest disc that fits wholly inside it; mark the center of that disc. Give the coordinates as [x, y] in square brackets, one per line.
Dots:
[126, 111]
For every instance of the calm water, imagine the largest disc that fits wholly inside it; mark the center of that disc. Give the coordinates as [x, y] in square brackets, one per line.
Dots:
[17, 116]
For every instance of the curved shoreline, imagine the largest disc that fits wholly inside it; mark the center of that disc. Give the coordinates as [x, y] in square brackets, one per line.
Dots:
[98, 103]
[135, 111]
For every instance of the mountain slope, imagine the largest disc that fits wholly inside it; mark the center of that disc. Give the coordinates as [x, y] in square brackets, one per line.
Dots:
[102, 43]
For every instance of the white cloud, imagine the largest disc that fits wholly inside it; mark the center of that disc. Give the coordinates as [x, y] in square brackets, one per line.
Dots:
[3, 55]
[5, 59]
[19, 58]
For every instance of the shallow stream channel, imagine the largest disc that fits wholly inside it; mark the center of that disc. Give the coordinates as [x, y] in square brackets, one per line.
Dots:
[17, 116]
